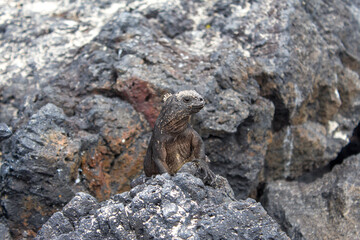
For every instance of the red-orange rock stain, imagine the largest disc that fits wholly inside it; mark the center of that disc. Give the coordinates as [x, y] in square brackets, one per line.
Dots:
[108, 167]
[142, 96]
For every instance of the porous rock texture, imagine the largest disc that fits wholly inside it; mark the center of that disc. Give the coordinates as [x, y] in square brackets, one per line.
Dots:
[5, 131]
[179, 207]
[82, 81]
[330, 204]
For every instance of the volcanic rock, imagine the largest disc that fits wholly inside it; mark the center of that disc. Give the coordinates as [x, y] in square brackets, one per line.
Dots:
[164, 207]
[327, 208]
[280, 80]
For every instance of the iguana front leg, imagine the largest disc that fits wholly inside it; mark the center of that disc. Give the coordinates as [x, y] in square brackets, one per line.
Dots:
[159, 157]
[200, 159]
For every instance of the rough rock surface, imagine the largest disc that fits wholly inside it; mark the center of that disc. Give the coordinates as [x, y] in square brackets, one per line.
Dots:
[5, 131]
[327, 208]
[46, 161]
[280, 80]
[179, 207]
[4, 232]
[39, 169]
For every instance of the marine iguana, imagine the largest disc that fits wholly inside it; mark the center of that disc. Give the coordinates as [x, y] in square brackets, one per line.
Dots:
[174, 142]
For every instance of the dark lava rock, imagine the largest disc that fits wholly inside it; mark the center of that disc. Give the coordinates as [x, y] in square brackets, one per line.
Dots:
[164, 207]
[320, 119]
[117, 155]
[352, 148]
[240, 157]
[4, 232]
[280, 80]
[51, 158]
[174, 22]
[327, 208]
[39, 169]
[5, 131]
[38, 39]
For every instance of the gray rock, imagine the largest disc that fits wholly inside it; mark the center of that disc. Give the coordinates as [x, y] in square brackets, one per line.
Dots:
[288, 86]
[57, 225]
[48, 160]
[226, 113]
[166, 208]
[240, 157]
[79, 206]
[324, 209]
[280, 81]
[174, 22]
[5, 131]
[4, 232]
[37, 40]
[39, 169]
[119, 149]
[298, 149]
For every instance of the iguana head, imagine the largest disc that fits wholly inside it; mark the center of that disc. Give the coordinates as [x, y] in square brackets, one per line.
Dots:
[178, 108]
[188, 101]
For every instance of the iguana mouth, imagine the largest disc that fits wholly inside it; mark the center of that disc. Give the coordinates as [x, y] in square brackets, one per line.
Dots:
[197, 108]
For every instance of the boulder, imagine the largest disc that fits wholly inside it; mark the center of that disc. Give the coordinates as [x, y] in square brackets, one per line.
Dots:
[5, 131]
[327, 208]
[164, 207]
[4, 232]
[48, 160]
[39, 170]
[280, 81]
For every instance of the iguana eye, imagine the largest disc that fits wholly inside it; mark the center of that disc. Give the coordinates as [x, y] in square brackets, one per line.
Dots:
[186, 99]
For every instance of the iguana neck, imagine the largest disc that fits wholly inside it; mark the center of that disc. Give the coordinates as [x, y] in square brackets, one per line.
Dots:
[175, 125]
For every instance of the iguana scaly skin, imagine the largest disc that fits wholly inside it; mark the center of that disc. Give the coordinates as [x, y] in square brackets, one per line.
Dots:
[174, 142]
